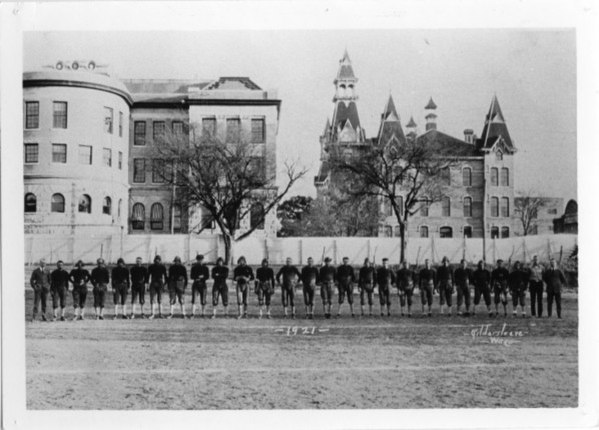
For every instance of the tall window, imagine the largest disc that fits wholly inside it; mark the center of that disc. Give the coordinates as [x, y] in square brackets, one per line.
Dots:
[120, 124]
[388, 231]
[445, 206]
[233, 130]
[494, 232]
[31, 153]
[157, 217]
[59, 153]
[85, 154]
[423, 231]
[505, 232]
[177, 128]
[445, 232]
[158, 130]
[397, 231]
[107, 206]
[467, 206]
[59, 113]
[30, 203]
[207, 222]
[494, 176]
[467, 231]
[119, 208]
[258, 135]
[138, 216]
[257, 216]
[467, 177]
[446, 175]
[139, 133]
[108, 119]
[424, 205]
[158, 170]
[85, 204]
[208, 128]
[494, 207]
[388, 208]
[177, 218]
[57, 203]
[258, 169]
[120, 160]
[505, 207]
[32, 114]
[505, 177]
[107, 157]
[139, 170]
[499, 155]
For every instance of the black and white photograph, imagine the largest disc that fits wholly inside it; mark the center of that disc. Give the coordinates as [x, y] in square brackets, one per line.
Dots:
[230, 207]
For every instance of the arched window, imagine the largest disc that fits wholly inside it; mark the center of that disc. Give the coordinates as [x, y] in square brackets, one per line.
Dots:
[505, 207]
[505, 177]
[30, 203]
[207, 221]
[388, 231]
[424, 204]
[138, 216]
[257, 216]
[57, 203]
[494, 176]
[157, 217]
[467, 177]
[467, 231]
[494, 232]
[423, 231]
[119, 208]
[85, 204]
[107, 206]
[388, 208]
[505, 232]
[446, 206]
[467, 206]
[177, 218]
[494, 206]
[499, 155]
[445, 232]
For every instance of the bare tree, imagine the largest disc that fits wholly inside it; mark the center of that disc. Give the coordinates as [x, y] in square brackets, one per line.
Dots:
[227, 180]
[526, 209]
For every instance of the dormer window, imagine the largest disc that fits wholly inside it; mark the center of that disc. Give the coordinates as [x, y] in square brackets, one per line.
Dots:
[499, 155]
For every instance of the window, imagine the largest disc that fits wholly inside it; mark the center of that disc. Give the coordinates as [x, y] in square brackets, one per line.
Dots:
[120, 160]
[138, 216]
[257, 216]
[505, 232]
[120, 124]
[494, 176]
[31, 153]
[158, 130]
[157, 217]
[208, 127]
[177, 218]
[158, 170]
[57, 203]
[107, 157]
[107, 206]
[139, 133]
[423, 231]
[505, 207]
[85, 154]
[445, 232]
[388, 208]
[467, 231]
[59, 112]
[445, 206]
[139, 170]
[30, 203]
[119, 208]
[258, 169]
[233, 130]
[424, 205]
[178, 128]
[494, 232]
[32, 114]
[446, 175]
[108, 119]
[59, 153]
[467, 206]
[207, 222]
[505, 177]
[552, 211]
[258, 135]
[397, 231]
[467, 177]
[499, 155]
[494, 207]
[388, 231]
[85, 204]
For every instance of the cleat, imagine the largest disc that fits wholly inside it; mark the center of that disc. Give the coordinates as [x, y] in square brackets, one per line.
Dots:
[402, 314]
[115, 317]
[490, 314]
[307, 316]
[132, 317]
[430, 314]
[170, 316]
[62, 319]
[101, 317]
[151, 317]
[337, 316]
[311, 317]
[143, 316]
[80, 318]
[268, 316]
[239, 316]
[353, 315]
[245, 315]
[44, 318]
[388, 314]
[213, 317]
[409, 315]
[382, 314]
[125, 317]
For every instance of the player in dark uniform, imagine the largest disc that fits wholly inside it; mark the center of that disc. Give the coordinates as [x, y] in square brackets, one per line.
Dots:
[345, 285]
[555, 280]
[535, 284]
[265, 286]
[427, 279]
[220, 273]
[462, 276]
[158, 279]
[40, 282]
[517, 282]
[177, 277]
[445, 283]
[100, 279]
[242, 275]
[79, 277]
[385, 278]
[499, 278]
[199, 275]
[405, 287]
[121, 281]
[481, 278]
[139, 280]
[327, 277]
[366, 285]
[309, 279]
[290, 275]
[59, 286]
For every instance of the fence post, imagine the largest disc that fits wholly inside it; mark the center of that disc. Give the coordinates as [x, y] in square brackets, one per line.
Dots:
[301, 251]
[335, 251]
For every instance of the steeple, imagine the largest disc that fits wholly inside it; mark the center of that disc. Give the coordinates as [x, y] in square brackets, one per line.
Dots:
[390, 130]
[431, 116]
[411, 128]
[346, 80]
[390, 113]
[495, 127]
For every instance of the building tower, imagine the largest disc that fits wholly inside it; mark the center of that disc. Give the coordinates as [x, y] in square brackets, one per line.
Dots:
[431, 116]
[412, 129]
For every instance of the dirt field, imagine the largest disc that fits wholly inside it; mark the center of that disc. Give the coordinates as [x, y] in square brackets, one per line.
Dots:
[339, 363]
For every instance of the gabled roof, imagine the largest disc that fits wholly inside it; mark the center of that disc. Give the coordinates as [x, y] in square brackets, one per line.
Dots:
[343, 113]
[346, 71]
[390, 129]
[447, 144]
[233, 83]
[494, 128]
[412, 123]
[390, 113]
[431, 104]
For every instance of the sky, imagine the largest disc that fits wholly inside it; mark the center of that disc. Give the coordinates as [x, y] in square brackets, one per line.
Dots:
[532, 72]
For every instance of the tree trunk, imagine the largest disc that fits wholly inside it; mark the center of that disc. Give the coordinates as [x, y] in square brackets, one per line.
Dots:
[228, 241]
[402, 248]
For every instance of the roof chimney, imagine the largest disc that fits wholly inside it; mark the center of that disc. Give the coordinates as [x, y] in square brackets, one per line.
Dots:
[469, 136]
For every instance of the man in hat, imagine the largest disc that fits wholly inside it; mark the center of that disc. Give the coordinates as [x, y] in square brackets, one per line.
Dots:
[79, 277]
[177, 281]
[366, 285]
[158, 279]
[139, 281]
[309, 280]
[462, 276]
[100, 279]
[328, 278]
[517, 282]
[535, 283]
[287, 277]
[345, 279]
[59, 285]
[385, 278]
[199, 274]
[427, 279]
[556, 281]
[40, 282]
[481, 278]
[242, 275]
[499, 278]
[405, 287]
[121, 281]
[265, 286]
[220, 273]
[445, 284]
